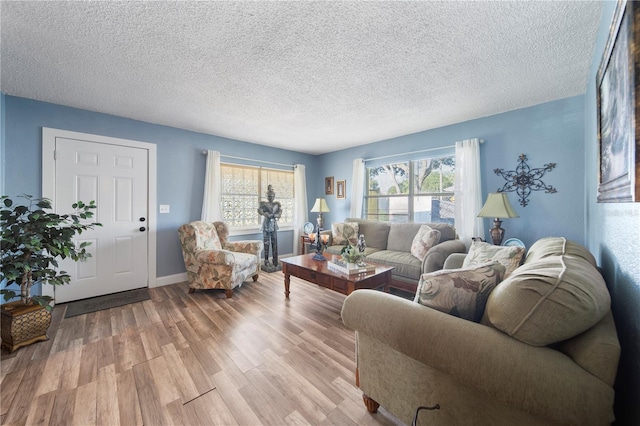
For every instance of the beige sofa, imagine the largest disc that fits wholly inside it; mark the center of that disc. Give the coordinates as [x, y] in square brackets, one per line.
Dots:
[492, 373]
[390, 244]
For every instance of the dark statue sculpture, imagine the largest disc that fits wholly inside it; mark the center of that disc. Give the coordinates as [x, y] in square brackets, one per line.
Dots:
[270, 211]
[362, 244]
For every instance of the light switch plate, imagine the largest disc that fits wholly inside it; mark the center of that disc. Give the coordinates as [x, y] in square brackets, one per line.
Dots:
[165, 208]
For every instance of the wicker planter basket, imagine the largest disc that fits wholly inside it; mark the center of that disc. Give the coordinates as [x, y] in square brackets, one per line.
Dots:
[23, 324]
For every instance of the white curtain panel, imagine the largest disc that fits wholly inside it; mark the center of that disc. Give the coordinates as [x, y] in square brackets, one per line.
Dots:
[468, 190]
[300, 207]
[212, 199]
[357, 188]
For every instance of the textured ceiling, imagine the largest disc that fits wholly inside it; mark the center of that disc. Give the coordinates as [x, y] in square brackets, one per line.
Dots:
[308, 76]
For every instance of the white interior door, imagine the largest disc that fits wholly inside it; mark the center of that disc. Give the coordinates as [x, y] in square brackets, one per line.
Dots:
[116, 177]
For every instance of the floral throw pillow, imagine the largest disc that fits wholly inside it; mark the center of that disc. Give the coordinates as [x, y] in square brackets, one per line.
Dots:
[423, 241]
[460, 292]
[343, 233]
[481, 252]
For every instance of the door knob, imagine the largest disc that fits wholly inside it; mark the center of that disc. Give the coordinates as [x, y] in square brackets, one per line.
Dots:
[142, 219]
[142, 229]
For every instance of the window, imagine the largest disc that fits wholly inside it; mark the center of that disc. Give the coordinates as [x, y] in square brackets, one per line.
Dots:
[243, 187]
[411, 191]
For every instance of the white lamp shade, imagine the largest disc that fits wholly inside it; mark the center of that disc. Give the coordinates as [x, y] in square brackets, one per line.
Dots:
[497, 205]
[320, 206]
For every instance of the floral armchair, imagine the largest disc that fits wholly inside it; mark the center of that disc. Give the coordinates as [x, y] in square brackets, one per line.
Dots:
[212, 261]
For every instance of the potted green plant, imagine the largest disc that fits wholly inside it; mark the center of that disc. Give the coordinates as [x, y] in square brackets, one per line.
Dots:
[350, 254]
[34, 239]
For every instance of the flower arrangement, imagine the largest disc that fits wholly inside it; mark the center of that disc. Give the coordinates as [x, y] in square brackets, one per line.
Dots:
[351, 254]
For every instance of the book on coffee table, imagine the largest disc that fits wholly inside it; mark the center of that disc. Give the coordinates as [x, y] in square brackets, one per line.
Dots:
[350, 268]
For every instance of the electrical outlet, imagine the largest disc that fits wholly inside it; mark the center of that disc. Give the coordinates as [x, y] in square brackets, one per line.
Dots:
[165, 208]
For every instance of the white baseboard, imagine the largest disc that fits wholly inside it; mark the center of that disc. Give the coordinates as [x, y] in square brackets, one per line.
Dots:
[180, 278]
[171, 279]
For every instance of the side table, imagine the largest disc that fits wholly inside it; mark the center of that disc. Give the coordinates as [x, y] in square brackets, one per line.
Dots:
[304, 240]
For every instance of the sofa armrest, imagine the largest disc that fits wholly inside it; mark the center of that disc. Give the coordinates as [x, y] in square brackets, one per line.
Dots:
[434, 260]
[245, 246]
[530, 378]
[454, 261]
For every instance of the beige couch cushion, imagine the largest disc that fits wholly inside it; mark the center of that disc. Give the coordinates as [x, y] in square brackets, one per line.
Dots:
[376, 233]
[447, 232]
[461, 292]
[423, 241]
[548, 301]
[405, 265]
[401, 236]
[557, 246]
[481, 252]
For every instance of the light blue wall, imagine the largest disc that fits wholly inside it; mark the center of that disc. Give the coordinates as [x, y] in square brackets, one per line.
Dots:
[552, 132]
[548, 133]
[613, 236]
[181, 164]
[2, 167]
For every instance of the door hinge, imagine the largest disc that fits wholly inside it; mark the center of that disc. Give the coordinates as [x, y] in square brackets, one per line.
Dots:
[54, 155]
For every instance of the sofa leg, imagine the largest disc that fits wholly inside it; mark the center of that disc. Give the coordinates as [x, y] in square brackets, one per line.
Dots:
[192, 290]
[372, 406]
[229, 293]
[255, 278]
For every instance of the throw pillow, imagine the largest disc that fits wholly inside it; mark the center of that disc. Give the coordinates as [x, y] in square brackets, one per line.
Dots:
[549, 301]
[423, 241]
[480, 252]
[344, 233]
[460, 292]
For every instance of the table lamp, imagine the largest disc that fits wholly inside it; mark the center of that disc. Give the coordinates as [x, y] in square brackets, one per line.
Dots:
[319, 207]
[497, 206]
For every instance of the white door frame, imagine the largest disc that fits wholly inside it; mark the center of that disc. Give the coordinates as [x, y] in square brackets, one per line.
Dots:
[49, 136]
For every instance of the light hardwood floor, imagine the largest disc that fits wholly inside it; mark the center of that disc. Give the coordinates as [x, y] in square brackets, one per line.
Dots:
[193, 359]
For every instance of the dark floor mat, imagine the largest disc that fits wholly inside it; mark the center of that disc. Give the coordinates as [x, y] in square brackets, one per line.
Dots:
[99, 303]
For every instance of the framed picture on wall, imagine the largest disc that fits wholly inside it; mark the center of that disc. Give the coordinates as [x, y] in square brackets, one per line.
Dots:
[340, 188]
[328, 185]
[617, 82]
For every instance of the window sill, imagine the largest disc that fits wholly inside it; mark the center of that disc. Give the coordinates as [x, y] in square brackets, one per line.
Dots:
[240, 232]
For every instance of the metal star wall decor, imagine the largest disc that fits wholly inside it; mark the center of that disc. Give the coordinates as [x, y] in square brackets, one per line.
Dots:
[524, 179]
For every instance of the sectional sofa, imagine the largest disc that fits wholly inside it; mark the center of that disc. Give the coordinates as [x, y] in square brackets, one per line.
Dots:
[391, 244]
[544, 352]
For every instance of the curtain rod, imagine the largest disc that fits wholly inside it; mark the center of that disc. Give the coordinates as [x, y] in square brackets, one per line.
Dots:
[251, 159]
[413, 152]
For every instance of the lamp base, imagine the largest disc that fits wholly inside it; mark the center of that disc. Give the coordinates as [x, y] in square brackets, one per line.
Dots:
[319, 220]
[319, 256]
[497, 233]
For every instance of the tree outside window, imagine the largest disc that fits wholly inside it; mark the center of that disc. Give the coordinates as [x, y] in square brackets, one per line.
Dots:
[411, 191]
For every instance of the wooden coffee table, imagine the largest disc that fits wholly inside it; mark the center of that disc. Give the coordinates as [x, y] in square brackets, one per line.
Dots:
[317, 272]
